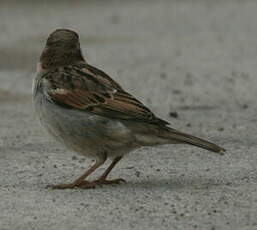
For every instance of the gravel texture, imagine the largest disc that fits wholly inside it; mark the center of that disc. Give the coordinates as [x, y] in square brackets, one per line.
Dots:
[192, 62]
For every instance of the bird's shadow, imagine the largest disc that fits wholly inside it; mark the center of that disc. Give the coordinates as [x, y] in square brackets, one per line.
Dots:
[164, 184]
[174, 183]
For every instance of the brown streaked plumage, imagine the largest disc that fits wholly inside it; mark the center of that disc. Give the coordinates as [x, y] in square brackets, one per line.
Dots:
[90, 113]
[86, 88]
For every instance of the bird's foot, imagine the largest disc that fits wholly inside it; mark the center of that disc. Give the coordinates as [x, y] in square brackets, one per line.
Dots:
[83, 185]
[115, 181]
[87, 184]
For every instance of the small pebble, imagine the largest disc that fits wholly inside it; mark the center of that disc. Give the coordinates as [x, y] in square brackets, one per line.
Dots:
[176, 91]
[163, 75]
[245, 106]
[173, 114]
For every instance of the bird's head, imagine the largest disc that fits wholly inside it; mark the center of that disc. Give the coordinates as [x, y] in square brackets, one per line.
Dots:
[62, 48]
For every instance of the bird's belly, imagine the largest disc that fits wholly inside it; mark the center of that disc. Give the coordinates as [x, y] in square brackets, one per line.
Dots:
[84, 132]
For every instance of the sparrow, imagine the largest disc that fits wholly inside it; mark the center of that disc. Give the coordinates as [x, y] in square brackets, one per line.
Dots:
[91, 114]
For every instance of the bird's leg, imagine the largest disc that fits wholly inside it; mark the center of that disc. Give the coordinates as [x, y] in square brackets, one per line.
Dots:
[103, 180]
[80, 182]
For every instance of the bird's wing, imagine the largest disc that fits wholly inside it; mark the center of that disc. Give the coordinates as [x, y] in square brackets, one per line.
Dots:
[87, 88]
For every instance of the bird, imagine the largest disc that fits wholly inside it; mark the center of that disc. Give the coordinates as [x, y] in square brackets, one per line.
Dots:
[90, 113]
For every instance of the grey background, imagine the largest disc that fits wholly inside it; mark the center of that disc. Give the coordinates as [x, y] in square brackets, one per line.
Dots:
[198, 58]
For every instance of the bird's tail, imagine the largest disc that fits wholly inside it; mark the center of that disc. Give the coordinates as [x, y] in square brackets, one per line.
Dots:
[180, 137]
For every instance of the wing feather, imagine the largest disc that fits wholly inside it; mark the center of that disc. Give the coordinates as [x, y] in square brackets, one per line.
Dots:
[87, 88]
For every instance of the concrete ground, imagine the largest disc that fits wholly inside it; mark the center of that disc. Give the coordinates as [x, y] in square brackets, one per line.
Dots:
[197, 58]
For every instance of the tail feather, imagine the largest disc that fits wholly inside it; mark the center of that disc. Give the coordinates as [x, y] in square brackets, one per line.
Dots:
[189, 139]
